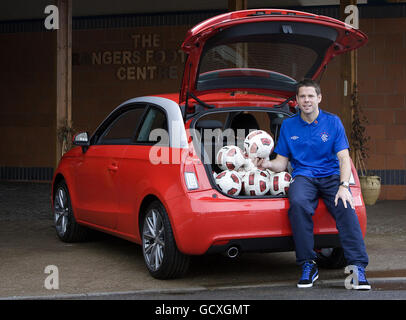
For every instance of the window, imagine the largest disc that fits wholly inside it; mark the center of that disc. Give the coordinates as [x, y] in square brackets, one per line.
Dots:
[122, 129]
[288, 59]
[155, 119]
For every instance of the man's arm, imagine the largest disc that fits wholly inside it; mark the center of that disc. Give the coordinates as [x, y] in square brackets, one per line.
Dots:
[345, 172]
[277, 165]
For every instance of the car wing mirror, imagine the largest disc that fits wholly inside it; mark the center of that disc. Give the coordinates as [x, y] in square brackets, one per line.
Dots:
[81, 139]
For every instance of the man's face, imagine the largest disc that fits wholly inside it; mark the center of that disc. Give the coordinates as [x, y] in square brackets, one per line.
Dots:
[308, 100]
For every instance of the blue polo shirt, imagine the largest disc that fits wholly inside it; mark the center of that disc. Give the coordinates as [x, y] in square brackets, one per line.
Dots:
[312, 147]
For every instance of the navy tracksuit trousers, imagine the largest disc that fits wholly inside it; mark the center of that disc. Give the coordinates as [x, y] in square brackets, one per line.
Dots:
[304, 194]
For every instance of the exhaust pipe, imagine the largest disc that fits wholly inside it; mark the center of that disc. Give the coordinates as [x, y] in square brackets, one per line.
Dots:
[232, 252]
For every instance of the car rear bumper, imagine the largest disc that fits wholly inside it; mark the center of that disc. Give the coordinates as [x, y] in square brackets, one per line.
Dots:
[273, 244]
[207, 221]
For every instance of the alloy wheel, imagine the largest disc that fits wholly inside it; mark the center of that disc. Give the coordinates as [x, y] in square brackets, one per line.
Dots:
[61, 211]
[153, 239]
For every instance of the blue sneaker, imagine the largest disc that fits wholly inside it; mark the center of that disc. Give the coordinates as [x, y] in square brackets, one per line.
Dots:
[362, 283]
[310, 273]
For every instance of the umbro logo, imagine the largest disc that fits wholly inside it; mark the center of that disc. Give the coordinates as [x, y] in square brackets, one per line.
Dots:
[294, 137]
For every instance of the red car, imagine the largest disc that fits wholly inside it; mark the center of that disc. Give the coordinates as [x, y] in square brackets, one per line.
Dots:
[147, 173]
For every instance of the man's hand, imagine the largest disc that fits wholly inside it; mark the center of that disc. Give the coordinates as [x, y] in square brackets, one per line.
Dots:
[345, 195]
[261, 163]
[276, 165]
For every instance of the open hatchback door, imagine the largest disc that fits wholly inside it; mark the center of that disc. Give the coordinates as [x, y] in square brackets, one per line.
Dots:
[265, 51]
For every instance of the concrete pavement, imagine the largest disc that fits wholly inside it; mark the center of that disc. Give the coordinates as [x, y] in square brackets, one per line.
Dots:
[28, 245]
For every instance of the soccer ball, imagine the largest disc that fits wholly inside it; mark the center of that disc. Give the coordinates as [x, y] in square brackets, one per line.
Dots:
[280, 183]
[256, 183]
[230, 158]
[249, 165]
[220, 156]
[270, 173]
[229, 182]
[241, 172]
[258, 144]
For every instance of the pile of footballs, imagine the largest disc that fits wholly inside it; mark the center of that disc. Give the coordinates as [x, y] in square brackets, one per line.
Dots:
[241, 176]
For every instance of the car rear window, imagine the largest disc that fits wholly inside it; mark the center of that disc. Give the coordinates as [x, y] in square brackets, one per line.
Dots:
[288, 59]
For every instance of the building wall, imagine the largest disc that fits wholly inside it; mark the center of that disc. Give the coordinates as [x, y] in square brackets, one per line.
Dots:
[382, 82]
[27, 107]
[382, 96]
[111, 65]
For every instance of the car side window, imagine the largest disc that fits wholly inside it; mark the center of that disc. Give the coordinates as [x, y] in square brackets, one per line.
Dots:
[154, 119]
[122, 129]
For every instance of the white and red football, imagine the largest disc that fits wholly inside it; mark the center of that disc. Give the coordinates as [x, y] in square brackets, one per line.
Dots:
[220, 157]
[255, 183]
[270, 172]
[280, 183]
[230, 158]
[229, 182]
[259, 144]
[241, 172]
[249, 165]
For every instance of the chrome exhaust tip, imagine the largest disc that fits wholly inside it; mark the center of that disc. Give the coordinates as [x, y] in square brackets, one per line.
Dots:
[232, 252]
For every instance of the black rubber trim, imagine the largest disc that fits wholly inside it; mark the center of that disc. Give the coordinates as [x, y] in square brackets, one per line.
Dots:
[275, 244]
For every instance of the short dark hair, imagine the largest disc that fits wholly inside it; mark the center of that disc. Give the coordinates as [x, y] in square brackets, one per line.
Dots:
[308, 83]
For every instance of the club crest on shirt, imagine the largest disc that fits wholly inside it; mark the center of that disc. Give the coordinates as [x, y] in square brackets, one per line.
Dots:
[324, 136]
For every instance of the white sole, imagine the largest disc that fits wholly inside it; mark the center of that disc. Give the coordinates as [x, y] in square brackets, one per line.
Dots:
[307, 285]
[362, 287]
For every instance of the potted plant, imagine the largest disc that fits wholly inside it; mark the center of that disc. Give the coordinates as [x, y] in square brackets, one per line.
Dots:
[370, 185]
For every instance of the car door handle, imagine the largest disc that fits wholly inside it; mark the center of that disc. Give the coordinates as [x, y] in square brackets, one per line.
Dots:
[112, 167]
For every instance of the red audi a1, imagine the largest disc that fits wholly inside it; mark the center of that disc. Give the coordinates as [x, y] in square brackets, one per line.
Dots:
[147, 173]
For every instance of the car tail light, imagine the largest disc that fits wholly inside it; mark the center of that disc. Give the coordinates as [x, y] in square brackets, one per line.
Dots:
[191, 181]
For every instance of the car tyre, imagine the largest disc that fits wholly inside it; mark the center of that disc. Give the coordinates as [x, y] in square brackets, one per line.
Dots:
[161, 255]
[331, 258]
[67, 229]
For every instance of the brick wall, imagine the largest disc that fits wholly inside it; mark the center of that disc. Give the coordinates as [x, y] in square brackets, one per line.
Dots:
[382, 82]
[27, 107]
[382, 95]
[112, 66]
